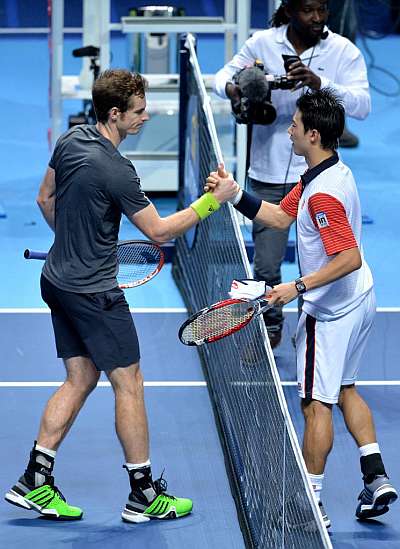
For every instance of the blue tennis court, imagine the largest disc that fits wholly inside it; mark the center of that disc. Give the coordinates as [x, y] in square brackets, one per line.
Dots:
[184, 440]
[184, 436]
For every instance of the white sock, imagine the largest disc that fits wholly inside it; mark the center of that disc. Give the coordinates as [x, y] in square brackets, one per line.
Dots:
[369, 449]
[51, 453]
[132, 466]
[316, 481]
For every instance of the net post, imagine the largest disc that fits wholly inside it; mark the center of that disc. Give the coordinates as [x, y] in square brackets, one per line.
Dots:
[184, 56]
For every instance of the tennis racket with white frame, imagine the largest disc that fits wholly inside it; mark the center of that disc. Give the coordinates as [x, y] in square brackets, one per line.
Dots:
[138, 261]
[220, 320]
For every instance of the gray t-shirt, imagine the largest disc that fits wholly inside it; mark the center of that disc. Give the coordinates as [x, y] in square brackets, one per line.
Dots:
[95, 184]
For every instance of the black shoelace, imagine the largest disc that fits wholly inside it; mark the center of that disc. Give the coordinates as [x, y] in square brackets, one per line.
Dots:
[160, 486]
[50, 482]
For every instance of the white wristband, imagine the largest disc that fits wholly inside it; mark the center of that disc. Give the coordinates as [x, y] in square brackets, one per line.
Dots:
[236, 199]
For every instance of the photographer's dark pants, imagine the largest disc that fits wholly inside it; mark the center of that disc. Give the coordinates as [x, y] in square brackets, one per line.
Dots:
[270, 247]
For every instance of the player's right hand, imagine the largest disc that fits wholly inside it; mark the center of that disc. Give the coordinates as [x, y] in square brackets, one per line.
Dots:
[222, 184]
[213, 178]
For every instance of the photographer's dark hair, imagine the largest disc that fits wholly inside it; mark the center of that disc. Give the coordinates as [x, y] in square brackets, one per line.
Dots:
[114, 88]
[279, 17]
[322, 110]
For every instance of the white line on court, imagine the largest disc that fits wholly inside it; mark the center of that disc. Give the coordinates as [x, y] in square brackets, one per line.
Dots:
[45, 310]
[103, 384]
[377, 383]
[378, 310]
[139, 310]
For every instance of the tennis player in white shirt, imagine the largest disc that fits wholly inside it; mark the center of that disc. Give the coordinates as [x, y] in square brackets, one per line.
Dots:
[325, 59]
[337, 287]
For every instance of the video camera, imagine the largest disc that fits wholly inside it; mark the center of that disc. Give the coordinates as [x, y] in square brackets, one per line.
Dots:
[255, 85]
[87, 116]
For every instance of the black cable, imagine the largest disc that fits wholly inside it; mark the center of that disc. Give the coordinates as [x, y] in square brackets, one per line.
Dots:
[366, 8]
[371, 66]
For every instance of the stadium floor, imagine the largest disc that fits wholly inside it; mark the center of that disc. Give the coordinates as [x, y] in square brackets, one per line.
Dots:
[184, 437]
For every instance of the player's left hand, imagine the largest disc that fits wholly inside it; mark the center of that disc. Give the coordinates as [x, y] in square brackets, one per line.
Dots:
[282, 294]
[304, 76]
[247, 288]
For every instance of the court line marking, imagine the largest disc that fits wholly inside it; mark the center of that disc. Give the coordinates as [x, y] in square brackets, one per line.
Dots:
[45, 310]
[103, 384]
[389, 383]
[377, 383]
[378, 310]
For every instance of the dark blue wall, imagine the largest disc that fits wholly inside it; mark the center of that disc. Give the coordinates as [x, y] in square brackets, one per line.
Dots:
[33, 13]
[373, 14]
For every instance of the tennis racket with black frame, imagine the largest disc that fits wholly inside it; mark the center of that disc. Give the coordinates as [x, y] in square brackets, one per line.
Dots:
[138, 261]
[220, 320]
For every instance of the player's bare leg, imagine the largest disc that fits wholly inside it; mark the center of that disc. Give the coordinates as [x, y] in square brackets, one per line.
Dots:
[357, 415]
[130, 412]
[378, 493]
[63, 407]
[317, 443]
[35, 489]
[147, 499]
[318, 435]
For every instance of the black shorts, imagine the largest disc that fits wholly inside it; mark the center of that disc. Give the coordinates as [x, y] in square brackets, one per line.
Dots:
[97, 325]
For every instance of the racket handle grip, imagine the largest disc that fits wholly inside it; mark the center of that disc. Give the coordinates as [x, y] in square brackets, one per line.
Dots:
[31, 254]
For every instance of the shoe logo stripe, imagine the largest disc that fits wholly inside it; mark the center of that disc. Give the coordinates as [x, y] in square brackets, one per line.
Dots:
[42, 500]
[160, 508]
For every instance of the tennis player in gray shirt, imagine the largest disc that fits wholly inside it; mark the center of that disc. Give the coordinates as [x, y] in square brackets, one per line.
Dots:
[87, 187]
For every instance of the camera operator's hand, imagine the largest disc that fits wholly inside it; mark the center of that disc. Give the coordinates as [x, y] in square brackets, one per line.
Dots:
[304, 76]
[233, 92]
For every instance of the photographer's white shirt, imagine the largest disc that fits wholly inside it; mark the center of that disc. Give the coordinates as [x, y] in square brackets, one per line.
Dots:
[339, 64]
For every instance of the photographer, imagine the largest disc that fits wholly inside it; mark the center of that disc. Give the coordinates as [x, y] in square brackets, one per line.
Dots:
[325, 59]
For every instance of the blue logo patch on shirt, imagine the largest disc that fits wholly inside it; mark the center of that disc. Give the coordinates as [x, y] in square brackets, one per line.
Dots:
[322, 220]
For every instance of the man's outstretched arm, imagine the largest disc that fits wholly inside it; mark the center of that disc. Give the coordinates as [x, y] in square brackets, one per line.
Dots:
[265, 213]
[162, 229]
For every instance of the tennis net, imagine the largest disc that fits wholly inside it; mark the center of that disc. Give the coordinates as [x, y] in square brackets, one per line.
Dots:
[266, 471]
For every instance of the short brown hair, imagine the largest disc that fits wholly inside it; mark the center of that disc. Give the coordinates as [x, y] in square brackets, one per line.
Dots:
[114, 88]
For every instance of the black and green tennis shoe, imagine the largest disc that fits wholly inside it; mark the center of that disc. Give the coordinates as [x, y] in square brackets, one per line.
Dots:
[163, 506]
[47, 500]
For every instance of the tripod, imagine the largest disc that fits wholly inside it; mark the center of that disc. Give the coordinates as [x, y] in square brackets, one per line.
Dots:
[87, 115]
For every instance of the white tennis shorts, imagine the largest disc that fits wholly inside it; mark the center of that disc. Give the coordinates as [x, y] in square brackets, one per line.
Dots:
[329, 353]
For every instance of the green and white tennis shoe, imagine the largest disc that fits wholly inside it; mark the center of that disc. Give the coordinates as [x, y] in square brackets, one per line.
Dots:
[47, 500]
[162, 507]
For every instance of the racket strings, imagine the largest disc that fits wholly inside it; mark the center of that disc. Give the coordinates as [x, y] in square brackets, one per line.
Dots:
[218, 322]
[137, 262]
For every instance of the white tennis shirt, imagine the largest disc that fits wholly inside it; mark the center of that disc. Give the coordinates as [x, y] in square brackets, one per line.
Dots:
[329, 221]
[338, 63]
